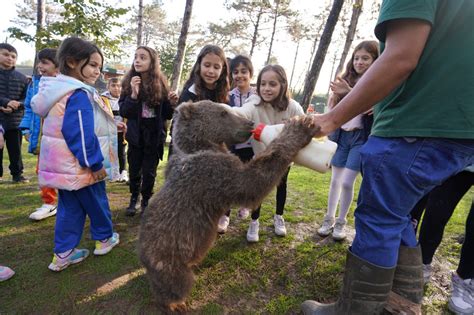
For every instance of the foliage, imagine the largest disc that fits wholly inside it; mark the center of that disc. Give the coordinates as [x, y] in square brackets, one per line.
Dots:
[89, 19]
[167, 53]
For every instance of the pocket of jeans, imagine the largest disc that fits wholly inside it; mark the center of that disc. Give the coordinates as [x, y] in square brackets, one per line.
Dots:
[436, 161]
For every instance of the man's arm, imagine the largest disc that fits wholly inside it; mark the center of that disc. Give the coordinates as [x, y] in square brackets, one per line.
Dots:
[405, 41]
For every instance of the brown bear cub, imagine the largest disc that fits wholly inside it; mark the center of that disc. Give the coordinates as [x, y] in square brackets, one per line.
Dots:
[202, 181]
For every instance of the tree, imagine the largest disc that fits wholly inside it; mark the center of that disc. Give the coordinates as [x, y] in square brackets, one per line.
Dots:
[225, 36]
[356, 11]
[297, 31]
[178, 61]
[89, 19]
[140, 23]
[280, 8]
[318, 61]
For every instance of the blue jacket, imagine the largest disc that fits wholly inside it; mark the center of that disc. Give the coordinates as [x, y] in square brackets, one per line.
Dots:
[31, 122]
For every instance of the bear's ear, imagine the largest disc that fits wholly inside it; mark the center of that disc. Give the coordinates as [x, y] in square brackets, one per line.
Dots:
[186, 110]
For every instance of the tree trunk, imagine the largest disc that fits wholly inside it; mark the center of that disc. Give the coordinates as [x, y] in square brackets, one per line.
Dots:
[318, 61]
[255, 31]
[356, 11]
[294, 63]
[40, 16]
[273, 33]
[179, 58]
[140, 23]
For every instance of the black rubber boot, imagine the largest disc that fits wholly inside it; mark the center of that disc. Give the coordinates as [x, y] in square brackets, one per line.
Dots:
[408, 279]
[365, 290]
[131, 210]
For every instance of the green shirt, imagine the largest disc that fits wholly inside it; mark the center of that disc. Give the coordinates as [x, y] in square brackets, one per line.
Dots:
[437, 99]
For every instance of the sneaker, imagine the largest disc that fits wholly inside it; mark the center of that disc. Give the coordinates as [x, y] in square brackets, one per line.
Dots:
[105, 246]
[279, 224]
[252, 233]
[74, 256]
[223, 224]
[462, 296]
[243, 213]
[327, 226]
[124, 176]
[20, 179]
[43, 212]
[427, 270]
[6, 273]
[338, 234]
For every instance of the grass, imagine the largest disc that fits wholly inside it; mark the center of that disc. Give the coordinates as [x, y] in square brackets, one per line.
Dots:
[272, 276]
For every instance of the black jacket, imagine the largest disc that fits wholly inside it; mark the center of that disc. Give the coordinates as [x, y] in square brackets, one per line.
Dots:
[13, 86]
[132, 110]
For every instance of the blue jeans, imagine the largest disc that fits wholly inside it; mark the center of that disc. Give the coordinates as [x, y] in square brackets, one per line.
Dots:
[397, 173]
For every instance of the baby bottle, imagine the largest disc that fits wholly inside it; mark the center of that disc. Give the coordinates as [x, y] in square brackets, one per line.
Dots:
[316, 155]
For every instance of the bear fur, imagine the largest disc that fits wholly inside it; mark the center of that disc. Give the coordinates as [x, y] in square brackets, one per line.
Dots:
[202, 180]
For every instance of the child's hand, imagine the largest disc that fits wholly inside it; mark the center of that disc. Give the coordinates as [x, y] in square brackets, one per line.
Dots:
[99, 175]
[2, 141]
[121, 126]
[135, 84]
[14, 105]
[340, 87]
[173, 97]
[27, 137]
[6, 110]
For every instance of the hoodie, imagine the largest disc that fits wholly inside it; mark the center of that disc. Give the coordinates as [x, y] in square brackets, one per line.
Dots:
[79, 133]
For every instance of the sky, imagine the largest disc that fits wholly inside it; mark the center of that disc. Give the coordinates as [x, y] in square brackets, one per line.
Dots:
[283, 48]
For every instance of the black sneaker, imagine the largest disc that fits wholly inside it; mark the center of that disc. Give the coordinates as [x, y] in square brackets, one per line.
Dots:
[132, 207]
[20, 179]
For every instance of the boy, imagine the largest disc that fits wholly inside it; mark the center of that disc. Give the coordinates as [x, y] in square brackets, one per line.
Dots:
[12, 93]
[31, 126]
[111, 97]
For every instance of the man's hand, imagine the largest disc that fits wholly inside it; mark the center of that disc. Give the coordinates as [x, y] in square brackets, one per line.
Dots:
[99, 175]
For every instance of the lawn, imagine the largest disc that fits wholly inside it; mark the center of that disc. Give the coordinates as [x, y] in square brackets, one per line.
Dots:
[272, 276]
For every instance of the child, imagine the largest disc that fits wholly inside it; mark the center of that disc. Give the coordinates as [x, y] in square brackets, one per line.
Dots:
[78, 150]
[31, 126]
[12, 94]
[111, 98]
[350, 138]
[271, 106]
[209, 79]
[241, 70]
[146, 103]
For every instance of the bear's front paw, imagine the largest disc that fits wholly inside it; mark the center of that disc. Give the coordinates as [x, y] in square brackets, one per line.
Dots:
[302, 128]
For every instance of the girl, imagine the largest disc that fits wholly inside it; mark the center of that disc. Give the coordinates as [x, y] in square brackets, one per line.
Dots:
[209, 80]
[271, 106]
[78, 151]
[146, 103]
[350, 138]
[241, 70]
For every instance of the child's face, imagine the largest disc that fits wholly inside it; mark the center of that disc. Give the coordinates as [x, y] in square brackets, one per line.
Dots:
[142, 60]
[362, 61]
[241, 76]
[7, 59]
[114, 89]
[211, 69]
[47, 68]
[270, 87]
[90, 73]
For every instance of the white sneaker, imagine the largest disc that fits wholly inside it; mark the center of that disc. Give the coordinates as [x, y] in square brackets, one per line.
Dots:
[252, 233]
[462, 296]
[243, 213]
[43, 212]
[327, 226]
[427, 270]
[124, 176]
[223, 224]
[279, 224]
[338, 234]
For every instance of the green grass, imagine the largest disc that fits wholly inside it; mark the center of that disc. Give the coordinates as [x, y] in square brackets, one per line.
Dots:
[272, 276]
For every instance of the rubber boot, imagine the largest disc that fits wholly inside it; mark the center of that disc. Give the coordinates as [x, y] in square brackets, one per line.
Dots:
[131, 210]
[365, 290]
[408, 279]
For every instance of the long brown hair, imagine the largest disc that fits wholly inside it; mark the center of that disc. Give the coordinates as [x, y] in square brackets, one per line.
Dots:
[350, 75]
[153, 90]
[280, 103]
[222, 84]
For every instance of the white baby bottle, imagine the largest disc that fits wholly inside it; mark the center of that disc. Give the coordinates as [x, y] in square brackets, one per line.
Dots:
[316, 155]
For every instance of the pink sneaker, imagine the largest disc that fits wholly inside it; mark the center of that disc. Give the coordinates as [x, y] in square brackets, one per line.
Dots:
[6, 273]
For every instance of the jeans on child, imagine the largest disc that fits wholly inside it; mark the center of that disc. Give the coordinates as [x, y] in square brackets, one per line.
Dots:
[397, 173]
